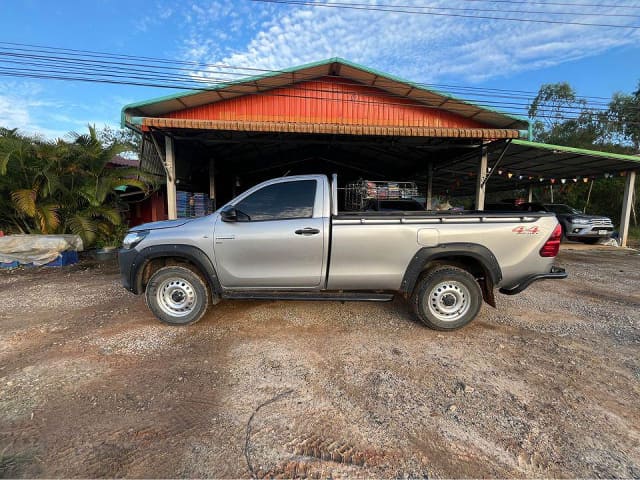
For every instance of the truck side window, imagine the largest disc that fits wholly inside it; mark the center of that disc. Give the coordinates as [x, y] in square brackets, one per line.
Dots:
[280, 201]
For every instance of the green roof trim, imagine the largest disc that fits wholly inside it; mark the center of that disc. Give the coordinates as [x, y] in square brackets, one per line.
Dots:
[328, 61]
[579, 151]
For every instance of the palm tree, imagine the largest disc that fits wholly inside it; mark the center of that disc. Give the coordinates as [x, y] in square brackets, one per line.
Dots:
[92, 188]
[33, 183]
[63, 186]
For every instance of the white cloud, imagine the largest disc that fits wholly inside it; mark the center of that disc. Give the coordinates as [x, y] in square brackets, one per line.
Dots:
[24, 107]
[421, 47]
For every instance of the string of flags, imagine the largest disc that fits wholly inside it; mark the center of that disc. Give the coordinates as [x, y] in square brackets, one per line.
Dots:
[551, 180]
[586, 178]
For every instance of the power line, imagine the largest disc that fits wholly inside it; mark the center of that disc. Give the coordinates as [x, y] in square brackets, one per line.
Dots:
[41, 66]
[544, 113]
[145, 72]
[462, 9]
[392, 9]
[238, 70]
[76, 67]
[558, 4]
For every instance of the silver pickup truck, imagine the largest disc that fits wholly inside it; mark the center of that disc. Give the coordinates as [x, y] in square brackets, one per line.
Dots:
[285, 239]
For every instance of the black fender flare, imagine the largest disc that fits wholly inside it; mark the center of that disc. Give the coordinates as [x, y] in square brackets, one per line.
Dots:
[187, 252]
[475, 251]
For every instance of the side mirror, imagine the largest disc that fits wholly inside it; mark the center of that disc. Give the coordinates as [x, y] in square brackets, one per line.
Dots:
[229, 214]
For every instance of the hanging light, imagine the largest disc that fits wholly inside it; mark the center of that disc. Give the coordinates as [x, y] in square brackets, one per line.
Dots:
[499, 172]
[553, 180]
[520, 177]
[509, 175]
[575, 180]
[563, 180]
[585, 179]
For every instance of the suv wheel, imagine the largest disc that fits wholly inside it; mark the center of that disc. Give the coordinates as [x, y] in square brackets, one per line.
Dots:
[177, 295]
[447, 298]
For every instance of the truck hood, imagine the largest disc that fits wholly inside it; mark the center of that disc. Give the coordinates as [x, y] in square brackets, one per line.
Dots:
[588, 217]
[162, 224]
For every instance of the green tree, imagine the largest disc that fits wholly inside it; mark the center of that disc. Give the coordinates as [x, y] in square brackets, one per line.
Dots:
[129, 140]
[29, 202]
[624, 118]
[63, 186]
[560, 117]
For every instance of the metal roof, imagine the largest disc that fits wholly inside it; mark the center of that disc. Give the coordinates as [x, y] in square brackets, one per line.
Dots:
[525, 163]
[332, 67]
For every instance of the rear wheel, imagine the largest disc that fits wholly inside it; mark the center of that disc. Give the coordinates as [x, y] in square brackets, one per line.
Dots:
[177, 295]
[447, 298]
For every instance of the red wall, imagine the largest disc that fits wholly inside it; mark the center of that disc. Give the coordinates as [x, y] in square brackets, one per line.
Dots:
[151, 209]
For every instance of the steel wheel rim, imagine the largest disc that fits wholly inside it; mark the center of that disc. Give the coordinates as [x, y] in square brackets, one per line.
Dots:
[176, 297]
[448, 301]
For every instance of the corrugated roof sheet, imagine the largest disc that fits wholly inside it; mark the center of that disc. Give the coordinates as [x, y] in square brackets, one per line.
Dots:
[337, 67]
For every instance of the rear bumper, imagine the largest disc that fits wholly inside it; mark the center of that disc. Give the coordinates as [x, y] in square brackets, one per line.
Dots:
[556, 273]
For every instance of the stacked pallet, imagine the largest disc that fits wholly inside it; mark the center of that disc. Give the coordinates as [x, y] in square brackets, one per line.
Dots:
[192, 204]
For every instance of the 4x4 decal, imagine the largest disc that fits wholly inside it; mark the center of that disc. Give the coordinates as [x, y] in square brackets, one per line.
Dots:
[521, 230]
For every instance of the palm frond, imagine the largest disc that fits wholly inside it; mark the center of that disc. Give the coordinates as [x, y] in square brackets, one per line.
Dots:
[111, 214]
[25, 201]
[5, 157]
[83, 226]
[47, 217]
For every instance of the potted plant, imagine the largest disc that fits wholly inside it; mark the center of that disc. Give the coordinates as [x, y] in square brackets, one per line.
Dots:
[108, 243]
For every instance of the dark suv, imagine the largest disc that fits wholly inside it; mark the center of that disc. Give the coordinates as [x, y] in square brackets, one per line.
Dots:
[575, 224]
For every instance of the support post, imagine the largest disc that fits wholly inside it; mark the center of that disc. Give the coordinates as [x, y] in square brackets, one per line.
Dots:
[428, 203]
[481, 185]
[172, 208]
[627, 204]
[530, 193]
[212, 183]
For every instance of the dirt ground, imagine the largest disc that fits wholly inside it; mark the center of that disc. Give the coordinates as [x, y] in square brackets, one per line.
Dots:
[547, 385]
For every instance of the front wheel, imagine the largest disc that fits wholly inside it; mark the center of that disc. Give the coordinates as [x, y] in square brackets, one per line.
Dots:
[177, 295]
[447, 298]
[590, 241]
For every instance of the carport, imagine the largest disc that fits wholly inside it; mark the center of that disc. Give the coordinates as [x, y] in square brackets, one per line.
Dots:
[337, 116]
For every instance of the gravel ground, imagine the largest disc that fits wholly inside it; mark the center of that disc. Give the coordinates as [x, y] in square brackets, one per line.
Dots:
[547, 385]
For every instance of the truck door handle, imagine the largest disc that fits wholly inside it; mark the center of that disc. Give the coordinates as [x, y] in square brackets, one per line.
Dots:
[308, 231]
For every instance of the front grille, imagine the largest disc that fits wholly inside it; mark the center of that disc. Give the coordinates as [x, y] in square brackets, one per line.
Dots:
[603, 222]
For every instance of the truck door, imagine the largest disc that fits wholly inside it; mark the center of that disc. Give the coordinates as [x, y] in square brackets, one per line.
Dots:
[276, 241]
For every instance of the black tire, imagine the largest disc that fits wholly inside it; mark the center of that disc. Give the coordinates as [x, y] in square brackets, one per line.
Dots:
[589, 241]
[177, 295]
[454, 283]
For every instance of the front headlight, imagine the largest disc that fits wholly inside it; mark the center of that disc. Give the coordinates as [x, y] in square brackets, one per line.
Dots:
[133, 238]
[580, 221]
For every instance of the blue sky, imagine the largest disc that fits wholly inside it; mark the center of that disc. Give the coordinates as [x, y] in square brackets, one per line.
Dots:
[422, 48]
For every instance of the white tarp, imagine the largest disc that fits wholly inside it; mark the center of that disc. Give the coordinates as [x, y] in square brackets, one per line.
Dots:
[36, 249]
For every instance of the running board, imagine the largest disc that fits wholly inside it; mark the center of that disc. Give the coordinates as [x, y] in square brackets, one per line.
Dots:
[329, 296]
